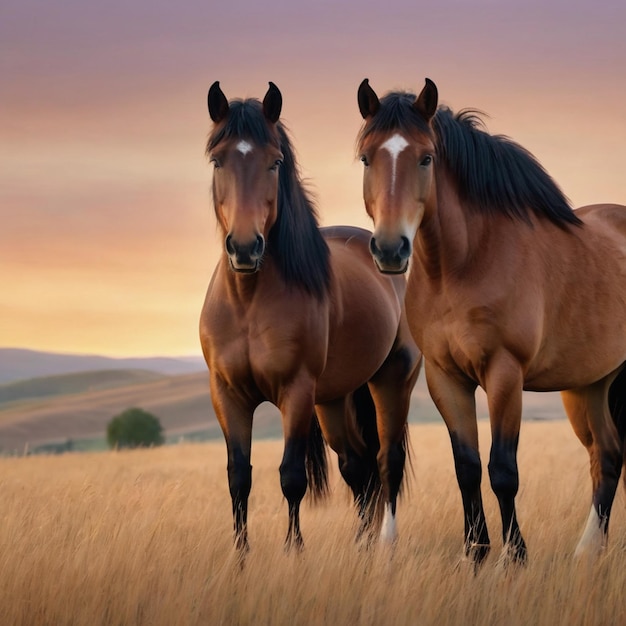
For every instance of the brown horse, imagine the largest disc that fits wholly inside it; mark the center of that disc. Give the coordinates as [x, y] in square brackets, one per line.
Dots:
[300, 317]
[508, 289]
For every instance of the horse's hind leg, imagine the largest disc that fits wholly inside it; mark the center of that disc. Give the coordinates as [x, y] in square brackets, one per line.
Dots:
[391, 389]
[589, 414]
[617, 406]
[357, 458]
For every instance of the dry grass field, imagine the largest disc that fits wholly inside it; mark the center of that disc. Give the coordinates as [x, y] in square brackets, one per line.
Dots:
[144, 537]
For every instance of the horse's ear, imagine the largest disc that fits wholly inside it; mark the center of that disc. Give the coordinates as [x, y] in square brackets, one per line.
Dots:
[426, 102]
[368, 100]
[272, 103]
[218, 104]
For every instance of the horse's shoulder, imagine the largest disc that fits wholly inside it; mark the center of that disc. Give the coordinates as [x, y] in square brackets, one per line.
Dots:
[346, 233]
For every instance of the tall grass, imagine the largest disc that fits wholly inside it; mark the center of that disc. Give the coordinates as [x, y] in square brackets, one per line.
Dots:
[144, 537]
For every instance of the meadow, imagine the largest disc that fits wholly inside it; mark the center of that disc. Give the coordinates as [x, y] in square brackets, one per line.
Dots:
[144, 537]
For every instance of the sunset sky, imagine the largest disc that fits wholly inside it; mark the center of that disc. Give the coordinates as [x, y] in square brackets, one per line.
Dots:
[107, 238]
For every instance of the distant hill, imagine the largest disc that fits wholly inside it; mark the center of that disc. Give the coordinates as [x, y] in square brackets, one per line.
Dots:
[19, 364]
[65, 384]
[182, 404]
[79, 406]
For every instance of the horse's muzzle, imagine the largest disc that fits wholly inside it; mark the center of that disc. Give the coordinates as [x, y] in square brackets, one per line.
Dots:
[391, 257]
[245, 257]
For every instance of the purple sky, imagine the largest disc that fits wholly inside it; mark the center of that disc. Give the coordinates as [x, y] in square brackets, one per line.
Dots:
[108, 241]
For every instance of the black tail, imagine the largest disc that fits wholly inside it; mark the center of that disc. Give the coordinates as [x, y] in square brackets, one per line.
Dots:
[408, 463]
[372, 504]
[316, 462]
[366, 421]
[617, 407]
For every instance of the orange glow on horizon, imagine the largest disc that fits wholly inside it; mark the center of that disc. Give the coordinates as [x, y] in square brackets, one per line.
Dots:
[107, 239]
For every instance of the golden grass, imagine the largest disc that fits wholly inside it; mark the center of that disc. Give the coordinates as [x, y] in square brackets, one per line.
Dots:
[144, 537]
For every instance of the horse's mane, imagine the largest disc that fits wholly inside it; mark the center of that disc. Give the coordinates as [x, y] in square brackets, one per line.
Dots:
[493, 174]
[294, 241]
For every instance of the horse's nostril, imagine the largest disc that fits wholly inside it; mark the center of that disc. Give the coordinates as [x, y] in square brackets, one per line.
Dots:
[229, 244]
[405, 247]
[259, 246]
[374, 249]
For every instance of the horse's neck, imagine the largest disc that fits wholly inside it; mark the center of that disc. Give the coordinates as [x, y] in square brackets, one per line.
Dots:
[448, 235]
[243, 289]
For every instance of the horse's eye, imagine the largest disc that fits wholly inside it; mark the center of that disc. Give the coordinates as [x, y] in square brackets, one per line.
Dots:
[276, 165]
[364, 160]
[216, 163]
[426, 161]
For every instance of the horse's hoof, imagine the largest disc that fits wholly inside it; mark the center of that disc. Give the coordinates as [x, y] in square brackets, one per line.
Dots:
[476, 553]
[242, 548]
[294, 544]
[512, 557]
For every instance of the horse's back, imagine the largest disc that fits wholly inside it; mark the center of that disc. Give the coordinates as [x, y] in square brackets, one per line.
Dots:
[356, 275]
[357, 241]
[584, 322]
[366, 308]
[607, 219]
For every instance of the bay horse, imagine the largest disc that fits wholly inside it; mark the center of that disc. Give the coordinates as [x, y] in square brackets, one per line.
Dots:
[299, 316]
[508, 288]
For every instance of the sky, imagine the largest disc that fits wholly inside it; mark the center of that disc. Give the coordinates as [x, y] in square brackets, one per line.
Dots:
[107, 234]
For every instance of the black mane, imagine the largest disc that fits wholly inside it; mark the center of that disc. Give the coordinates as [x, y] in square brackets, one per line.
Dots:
[493, 174]
[294, 241]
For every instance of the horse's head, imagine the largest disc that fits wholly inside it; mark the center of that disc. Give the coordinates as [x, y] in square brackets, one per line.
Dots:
[244, 147]
[397, 148]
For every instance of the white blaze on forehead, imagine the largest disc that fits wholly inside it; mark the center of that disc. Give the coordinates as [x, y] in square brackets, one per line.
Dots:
[244, 147]
[394, 145]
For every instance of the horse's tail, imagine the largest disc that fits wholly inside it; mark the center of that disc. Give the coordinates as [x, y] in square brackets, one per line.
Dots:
[617, 407]
[365, 412]
[408, 459]
[316, 462]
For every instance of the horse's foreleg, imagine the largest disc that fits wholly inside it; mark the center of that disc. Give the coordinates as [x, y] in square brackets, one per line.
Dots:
[235, 417]
[589, 415]
[296, 406]
[504, 383]
[293, 483]
[391, 389]
[239, 483]
[454, 397]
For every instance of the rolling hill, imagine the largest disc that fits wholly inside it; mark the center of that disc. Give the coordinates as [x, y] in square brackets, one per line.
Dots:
[19, 364]
[41, 411]
[79, 406]
[65, 384]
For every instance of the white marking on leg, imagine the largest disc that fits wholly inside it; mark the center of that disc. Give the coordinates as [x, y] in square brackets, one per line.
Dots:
[593, 540]
[388, 531]
[394, 145]
[244, 147]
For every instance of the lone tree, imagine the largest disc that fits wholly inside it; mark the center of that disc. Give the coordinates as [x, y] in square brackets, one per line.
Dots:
[134, 428]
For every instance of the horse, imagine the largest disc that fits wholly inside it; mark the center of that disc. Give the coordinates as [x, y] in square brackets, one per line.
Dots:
[508, 289]
[300, 317]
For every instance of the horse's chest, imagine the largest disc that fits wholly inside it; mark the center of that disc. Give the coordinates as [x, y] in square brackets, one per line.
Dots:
[266, 352]
[453, 336]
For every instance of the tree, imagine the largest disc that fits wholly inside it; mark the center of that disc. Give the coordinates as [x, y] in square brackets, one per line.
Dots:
[134, 428]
